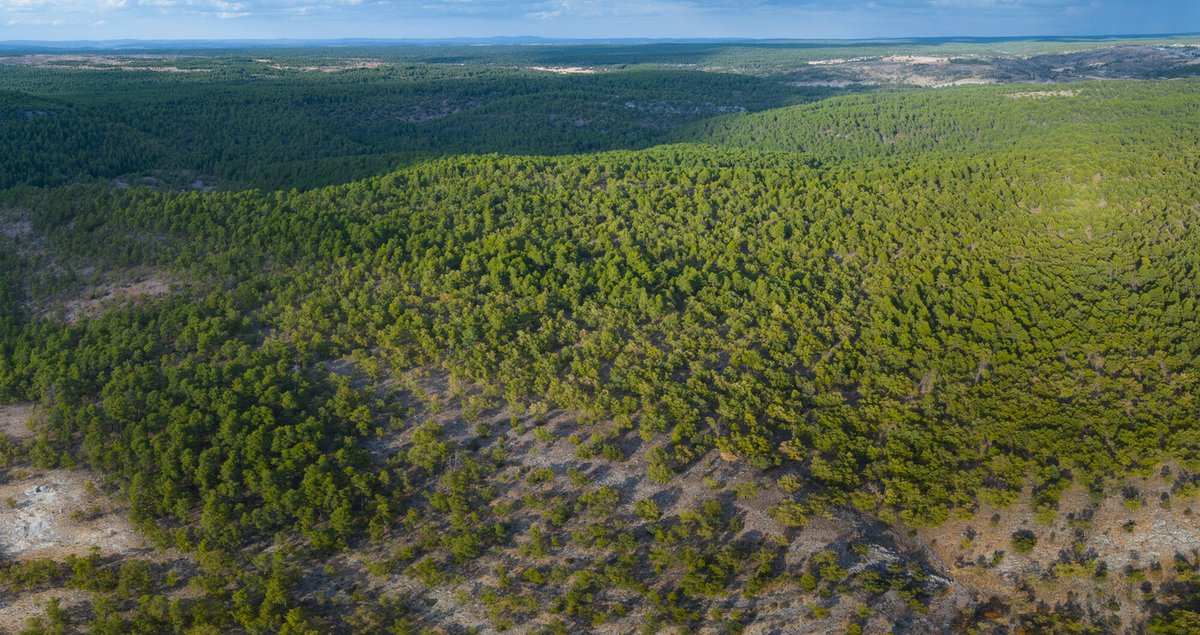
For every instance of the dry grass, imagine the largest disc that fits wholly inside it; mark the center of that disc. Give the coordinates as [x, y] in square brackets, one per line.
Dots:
[97, 298]
[15, 420]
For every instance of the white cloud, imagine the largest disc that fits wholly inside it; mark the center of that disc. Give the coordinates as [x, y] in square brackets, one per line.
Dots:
[34, 22]
[608, 18]
[22, 5]
[590, 9]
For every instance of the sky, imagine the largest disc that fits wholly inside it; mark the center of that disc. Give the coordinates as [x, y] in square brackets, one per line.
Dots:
[399, 19]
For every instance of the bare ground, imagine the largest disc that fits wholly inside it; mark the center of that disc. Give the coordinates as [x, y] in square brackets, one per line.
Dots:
[1085, 552]
[99, 297]
[17, 609]
[15, 420]
[463, 410]
[54, 513]
[1084, 555]
[931, 71]
[563, 70]
[1042, 94]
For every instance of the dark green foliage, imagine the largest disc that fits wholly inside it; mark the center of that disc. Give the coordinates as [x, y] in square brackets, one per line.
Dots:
[1024, 541]
[290, 129]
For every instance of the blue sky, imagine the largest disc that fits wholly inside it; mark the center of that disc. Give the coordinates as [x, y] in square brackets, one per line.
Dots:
[146, 19]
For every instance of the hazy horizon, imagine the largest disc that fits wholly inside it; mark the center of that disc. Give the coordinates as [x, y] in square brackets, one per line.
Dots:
[525, 39]
[99, 20]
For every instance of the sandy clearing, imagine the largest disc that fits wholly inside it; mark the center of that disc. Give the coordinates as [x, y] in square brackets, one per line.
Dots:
[1042, 94]
[1145, 537]
[149, 287]
[563, 70]
[17, 609]
[331, 68]
[14, 420]
[53, 513]
[966, 81]
[917, 59]
[826, 83]
[837, 60]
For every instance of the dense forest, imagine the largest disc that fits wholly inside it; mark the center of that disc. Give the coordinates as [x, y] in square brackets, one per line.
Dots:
[279, 129]
[559, 390]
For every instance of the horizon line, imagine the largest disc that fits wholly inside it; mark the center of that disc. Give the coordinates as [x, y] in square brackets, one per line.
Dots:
[525, 39]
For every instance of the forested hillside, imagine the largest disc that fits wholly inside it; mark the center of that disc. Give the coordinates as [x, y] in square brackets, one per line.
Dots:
[873, 363]
[243, 124]
[1073, 122]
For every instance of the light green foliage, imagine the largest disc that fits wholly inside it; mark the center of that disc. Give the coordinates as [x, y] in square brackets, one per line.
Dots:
[428, 451]
[648, 510]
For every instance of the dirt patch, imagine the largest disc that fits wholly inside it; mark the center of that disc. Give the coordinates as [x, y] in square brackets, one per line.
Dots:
[346, 65]
[100, 297]
[16, 232]
[54, 513]
[538, 439]
[825, 83]
[1042, 94]
[916, 59]
[1083, 554]
[17, 229]
[563, 70]
[156, 63]
[17, 609]
[837, 60]
[967, 81]
[937, 71]
[1093, 552]
[14, 420]
[1152, 528]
